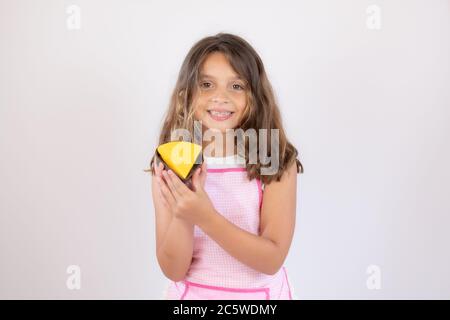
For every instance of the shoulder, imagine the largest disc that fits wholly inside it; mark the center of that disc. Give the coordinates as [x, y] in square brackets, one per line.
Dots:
[288, 178]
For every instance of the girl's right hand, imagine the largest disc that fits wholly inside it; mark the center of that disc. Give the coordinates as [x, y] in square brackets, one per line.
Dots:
[158, 175]
[158, 169]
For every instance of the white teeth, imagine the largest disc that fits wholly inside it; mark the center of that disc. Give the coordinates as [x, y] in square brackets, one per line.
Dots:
[216, 113]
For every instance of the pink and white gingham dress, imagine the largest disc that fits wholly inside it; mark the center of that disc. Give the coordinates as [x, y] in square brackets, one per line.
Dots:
[214, 274]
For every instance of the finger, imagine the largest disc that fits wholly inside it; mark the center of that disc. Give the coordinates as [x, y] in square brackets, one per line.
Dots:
[168, 197]
[203, 173]
[163, 199]
[171, 184]
[159, 168]
[165, 191]
[155, 167]
[190, 184]
[165, 203]
[196, 180]
[179, 186]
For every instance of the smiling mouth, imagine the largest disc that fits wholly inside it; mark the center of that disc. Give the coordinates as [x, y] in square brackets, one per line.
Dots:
[220, 115]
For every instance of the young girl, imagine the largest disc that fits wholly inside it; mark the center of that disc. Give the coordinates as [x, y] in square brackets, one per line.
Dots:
[228, 234]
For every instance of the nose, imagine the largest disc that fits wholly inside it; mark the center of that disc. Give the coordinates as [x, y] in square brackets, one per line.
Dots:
[220, 96]
[219, 100]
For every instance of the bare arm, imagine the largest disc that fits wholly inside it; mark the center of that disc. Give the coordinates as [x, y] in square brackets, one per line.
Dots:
[265, 252]
[174, 237]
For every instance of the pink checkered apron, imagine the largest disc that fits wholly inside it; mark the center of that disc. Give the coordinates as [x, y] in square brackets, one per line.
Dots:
[214, 274]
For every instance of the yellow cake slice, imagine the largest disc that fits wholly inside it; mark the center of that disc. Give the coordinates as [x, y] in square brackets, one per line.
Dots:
[180, 156]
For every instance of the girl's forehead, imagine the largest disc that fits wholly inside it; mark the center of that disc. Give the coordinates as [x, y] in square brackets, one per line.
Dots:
[216, 65]
[232, 76]
[215, 73]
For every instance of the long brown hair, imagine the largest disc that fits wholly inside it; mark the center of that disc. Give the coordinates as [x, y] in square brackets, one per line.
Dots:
[261, 112]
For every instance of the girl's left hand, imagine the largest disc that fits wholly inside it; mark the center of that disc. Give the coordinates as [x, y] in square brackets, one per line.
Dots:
[193, 206]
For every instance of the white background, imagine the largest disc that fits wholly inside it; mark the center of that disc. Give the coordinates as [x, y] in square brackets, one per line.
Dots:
[368, 109]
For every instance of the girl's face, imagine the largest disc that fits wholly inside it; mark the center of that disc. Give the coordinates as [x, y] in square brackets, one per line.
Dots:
[222, 95]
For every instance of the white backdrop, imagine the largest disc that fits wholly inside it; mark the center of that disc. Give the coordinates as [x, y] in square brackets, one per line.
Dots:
[364, 90]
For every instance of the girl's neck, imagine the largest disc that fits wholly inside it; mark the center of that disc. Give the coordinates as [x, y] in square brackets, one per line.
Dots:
[217, 148]
[213, 150]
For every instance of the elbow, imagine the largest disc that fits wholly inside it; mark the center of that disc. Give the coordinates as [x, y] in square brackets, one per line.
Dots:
[176, 279]
[273, 269]
[274, 264]
[174, 276]
[170, 269]
[173, 273]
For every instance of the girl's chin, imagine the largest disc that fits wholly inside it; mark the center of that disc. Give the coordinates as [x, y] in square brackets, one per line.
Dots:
[222, 129]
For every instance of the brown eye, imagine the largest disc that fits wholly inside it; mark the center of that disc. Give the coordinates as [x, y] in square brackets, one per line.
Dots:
[205, 85]
[238, 87]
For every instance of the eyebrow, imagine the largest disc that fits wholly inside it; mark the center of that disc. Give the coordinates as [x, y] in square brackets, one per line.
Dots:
[203, 75]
